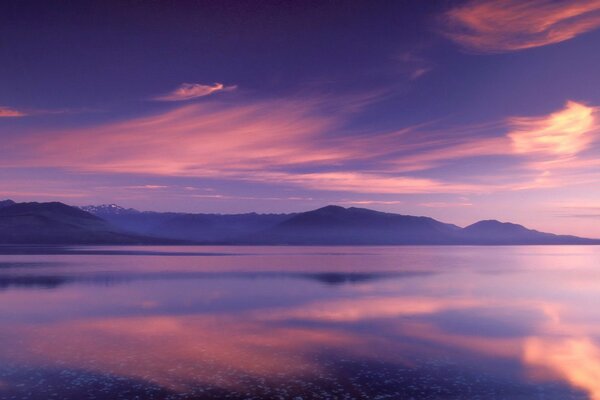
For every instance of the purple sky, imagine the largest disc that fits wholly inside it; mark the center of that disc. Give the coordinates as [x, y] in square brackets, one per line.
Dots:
[457, 110]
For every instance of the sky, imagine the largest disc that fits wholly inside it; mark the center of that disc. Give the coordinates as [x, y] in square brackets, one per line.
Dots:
[458, 110]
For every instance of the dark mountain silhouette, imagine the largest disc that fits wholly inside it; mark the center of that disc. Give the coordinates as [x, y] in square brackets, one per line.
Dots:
[58, 223]
[339, 225]
[207, 228]
[330, 225]
[215, 227]
[141, 222]
[496, 232]
[359, 226]
[6, 203]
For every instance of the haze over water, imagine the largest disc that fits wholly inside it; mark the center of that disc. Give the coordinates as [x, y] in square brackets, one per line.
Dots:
[300, 322]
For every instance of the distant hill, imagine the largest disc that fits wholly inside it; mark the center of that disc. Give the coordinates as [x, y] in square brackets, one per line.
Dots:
[360, 226]
[207, 228]
[217, 228]
[496, 232]
[339, 225]
[330, 225]
[58, 223]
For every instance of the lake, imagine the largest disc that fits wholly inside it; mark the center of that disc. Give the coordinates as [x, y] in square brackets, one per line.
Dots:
[300, 322]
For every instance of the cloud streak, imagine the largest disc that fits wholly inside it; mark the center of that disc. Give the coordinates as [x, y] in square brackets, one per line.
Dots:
[273, 142]
[189, 91]
[562, 133]
[302, 143]
[7, 112]
[484, 26]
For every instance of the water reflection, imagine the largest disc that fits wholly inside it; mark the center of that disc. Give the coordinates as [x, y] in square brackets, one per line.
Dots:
[426, 323]
[115, 278]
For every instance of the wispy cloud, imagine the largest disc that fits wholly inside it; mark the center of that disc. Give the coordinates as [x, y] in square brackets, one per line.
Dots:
[365, 182]
[7, 112]
[564, 133]
[413, 65]
[370, 202]
[547, 150]
[445, 204]
[273, 142]
[561, 146]
[148, 187]
[188, 91]
[489, 26]
[304, 143]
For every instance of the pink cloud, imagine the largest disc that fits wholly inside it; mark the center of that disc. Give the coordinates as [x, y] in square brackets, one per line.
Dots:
[188, 91]
[148, 187]
[370, 202]
[486, 26]
[258, 142]
[560, 146]
[7, 112]
[562, 133]
[575, 358]
[445, 204]
[548, 150]
[375, 182]
[289, 142]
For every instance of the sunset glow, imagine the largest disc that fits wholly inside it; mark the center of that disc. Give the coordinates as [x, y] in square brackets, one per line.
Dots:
[480, 109]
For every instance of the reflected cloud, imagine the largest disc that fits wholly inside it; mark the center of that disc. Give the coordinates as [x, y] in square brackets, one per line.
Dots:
[256, 345]
[238, 334]
[576, 359]
[354, 310]
[488, 26]
[194, 348]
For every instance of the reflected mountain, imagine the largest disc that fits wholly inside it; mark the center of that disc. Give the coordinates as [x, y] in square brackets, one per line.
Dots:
[33, 281]
[108, 279]
[109, 251]
[280, 323]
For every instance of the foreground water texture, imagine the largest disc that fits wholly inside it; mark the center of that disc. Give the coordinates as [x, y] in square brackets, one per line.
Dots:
[300, 323]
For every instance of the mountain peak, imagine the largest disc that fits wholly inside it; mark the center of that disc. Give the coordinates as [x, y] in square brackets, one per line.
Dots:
[58, 223]
[330, 225]
[495, 225]
[331, 208]
[108, 209]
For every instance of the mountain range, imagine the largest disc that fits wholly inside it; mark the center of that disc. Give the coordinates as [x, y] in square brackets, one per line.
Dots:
[58, 223]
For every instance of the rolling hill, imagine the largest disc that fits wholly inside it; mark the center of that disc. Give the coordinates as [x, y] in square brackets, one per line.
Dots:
[57, 223]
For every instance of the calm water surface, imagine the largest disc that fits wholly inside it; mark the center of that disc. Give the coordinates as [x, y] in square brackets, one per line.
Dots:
[300, 323]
